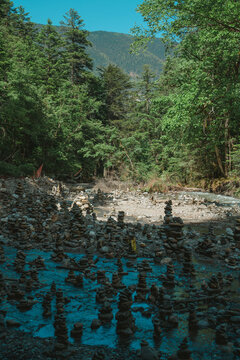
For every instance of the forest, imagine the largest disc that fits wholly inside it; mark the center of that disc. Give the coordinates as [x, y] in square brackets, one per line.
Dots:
[179, 127]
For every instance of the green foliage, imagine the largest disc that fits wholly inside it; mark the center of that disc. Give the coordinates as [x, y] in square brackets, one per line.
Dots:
[75, 45]
[180, 127]
[200, 83]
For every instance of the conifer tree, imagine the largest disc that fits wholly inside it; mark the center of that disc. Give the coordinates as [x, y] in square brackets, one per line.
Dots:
[51, 58]
[76, 44]
[116, 86]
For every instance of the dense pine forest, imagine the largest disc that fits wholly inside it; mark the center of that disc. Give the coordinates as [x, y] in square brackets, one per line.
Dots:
[182, 126]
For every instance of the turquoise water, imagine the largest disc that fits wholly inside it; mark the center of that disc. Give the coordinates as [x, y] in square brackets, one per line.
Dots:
[83, 307]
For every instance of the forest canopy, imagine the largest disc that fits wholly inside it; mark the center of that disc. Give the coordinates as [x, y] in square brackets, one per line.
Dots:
[182, 125]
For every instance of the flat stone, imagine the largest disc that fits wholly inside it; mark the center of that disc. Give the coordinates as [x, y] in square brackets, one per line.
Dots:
[166, 260]
[229, 231]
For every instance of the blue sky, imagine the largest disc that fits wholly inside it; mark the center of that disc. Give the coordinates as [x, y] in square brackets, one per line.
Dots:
[107, 15]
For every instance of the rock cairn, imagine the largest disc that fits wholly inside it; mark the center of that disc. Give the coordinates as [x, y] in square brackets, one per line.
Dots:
[105, 313]
[188, 267]
[125, 320]
[173, 228]
[142, 288]
[120, 219]
[168, 279]
[77, 330]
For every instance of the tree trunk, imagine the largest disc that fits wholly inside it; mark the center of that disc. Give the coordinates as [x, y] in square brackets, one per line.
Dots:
[226, 140]
[219, 161]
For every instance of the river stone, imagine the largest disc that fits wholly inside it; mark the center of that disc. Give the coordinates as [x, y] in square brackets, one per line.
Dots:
[166, 260]
[229, 231]
[104, 249]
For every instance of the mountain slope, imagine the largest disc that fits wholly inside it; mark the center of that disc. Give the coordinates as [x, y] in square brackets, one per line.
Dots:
[110, 47]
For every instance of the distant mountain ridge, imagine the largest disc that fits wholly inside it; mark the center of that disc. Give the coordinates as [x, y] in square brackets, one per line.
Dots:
[114, 48]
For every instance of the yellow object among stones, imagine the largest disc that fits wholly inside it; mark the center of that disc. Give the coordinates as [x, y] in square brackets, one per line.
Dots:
[134, 244]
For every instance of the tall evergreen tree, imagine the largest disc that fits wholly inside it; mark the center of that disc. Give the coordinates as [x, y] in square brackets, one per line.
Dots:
[76, 45]
[116, 86]
[51, 60]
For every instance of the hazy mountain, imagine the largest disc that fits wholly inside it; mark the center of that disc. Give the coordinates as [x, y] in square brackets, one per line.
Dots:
[111, 47]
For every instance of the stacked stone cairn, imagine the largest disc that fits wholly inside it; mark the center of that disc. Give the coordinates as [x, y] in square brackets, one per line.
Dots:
[105, 313]
[188, 267]
[46, 304]
[125, 320]
[144, 266]
[173, 228]
[116, 282]
[142, 288]
[154, 293]
[100, 295]
[25, 304]
[166, 314]
[77, 330]
[120, 268]
[19, 262]
[120, 219]
[168, 279]
[206, 247]
[60, 323]
[213, 285]
[58, 255]
[19, 191]
[84, 263]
